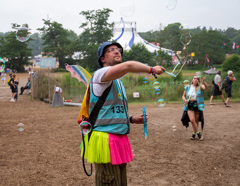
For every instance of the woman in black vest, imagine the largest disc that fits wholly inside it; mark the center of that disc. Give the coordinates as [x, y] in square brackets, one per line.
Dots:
[228, 89]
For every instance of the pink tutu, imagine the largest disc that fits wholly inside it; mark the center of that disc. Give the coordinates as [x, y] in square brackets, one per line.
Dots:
[120, 149]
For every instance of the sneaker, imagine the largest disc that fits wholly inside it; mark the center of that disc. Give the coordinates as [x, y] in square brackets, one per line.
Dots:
[193, 136]
[12, 100]
[200, 136]
[212, 103]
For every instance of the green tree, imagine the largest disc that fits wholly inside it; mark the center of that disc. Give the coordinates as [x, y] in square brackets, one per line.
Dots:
[36, 44]
[231, 33]
[210, 43]
[140, 53]
[96, 31]
[16, 52]
[170, 37]
[163, 59]
[56, 40]
[232, 63]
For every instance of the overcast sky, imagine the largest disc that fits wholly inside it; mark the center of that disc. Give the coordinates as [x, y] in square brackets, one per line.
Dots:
[148, 14]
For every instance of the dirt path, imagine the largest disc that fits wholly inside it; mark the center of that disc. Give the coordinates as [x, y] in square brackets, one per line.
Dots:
[47, 151]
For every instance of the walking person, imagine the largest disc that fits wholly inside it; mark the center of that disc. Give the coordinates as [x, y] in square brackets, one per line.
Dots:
[194, 103]
[216, 89]
[230, 78]
[13, 87]
[3, 78]
[109, 147]
[16, 82]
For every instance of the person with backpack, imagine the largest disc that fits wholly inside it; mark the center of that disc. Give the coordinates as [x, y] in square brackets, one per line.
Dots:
[109, 147]
[216, 89]
[228, 89]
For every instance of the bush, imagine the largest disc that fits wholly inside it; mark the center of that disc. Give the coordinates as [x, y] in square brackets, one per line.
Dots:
[59, 70]
[232, 63]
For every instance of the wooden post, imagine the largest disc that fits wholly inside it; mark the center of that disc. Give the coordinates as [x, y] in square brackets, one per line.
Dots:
[48, 87]
[166, 92]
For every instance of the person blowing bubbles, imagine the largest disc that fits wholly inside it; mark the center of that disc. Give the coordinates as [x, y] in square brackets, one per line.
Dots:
[194, 103]
[109, 147]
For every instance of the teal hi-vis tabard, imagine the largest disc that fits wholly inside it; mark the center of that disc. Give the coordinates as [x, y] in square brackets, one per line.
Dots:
[200, 99]
[113, 116]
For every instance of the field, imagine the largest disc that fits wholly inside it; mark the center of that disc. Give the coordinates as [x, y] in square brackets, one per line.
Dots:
[47, 151]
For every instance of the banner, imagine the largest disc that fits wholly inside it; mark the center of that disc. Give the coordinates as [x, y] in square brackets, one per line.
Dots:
[48, 62]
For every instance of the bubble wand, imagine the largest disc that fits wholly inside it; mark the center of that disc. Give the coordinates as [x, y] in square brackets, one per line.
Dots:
[145, 122]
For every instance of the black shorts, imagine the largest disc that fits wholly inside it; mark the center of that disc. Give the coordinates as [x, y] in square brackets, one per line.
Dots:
[13, 89]
[228, 90]
[216, 91]
[192, 105]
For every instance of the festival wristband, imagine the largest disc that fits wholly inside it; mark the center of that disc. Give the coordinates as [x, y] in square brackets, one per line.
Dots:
[131, 121]
[153, 71]
[151, 68]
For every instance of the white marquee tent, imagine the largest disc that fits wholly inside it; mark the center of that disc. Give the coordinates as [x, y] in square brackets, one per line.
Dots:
[126, 34]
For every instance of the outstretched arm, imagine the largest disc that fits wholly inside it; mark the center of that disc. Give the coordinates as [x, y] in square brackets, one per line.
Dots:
[120, 70]
[138, 119]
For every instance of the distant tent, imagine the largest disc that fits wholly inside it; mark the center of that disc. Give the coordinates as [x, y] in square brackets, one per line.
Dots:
[210, 71]
[126, 34]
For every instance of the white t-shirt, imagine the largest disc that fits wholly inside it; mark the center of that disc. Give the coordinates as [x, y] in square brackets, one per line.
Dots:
[192, 93]
[98, 85]
[217, 79]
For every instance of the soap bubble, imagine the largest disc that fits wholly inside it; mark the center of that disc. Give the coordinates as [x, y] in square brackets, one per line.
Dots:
[174, 128]
[145, 80]
[2, 65]
[86, 127]
[20, 127]
[156, 84]
[161, 102]
[198, 74]
[157, 91]
[185, 38]
[171, 4]
[128, 8]
[22, 34]
[185, 83]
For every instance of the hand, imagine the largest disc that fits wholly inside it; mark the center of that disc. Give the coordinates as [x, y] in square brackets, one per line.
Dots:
[159, 70]
[186, 101]
[139, 119]
[203, 78]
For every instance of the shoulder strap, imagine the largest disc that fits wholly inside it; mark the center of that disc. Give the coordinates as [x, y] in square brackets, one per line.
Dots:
[94, 114]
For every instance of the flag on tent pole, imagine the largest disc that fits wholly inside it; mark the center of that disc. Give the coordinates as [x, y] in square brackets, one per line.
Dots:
[233, 46]
[206, 60]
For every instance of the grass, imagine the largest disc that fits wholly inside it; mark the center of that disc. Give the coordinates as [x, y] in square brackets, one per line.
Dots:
[171, 88]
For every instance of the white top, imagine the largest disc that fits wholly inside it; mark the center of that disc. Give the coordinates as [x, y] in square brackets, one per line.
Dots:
[98, 85]
[217, 79]
[192, 93]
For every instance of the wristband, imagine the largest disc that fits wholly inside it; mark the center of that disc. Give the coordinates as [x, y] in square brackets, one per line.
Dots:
[153, 72]
[150, 70]
[130, 119]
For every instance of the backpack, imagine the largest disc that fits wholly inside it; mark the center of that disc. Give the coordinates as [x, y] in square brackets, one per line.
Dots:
[9, 81]
[224, 83]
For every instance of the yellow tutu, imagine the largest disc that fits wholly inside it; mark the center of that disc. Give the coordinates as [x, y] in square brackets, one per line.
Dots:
[97, 149]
